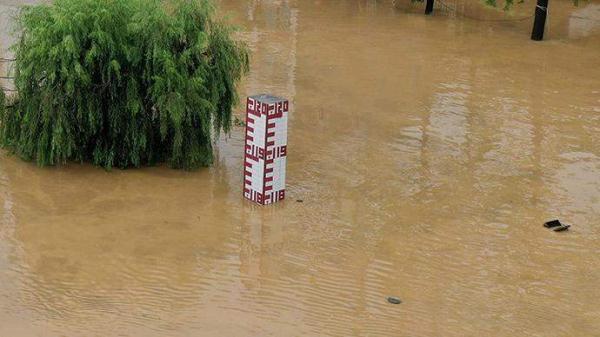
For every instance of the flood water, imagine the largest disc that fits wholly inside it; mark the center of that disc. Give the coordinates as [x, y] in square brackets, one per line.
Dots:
[428, 151]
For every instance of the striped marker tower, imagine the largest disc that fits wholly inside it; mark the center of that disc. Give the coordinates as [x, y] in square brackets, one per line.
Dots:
[265, 150]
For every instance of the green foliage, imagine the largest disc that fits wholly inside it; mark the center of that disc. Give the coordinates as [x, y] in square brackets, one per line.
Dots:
[2, 104]
[122, 83]
[508, 4]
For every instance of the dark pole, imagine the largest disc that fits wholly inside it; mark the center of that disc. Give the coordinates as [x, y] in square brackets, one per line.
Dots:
[541, 10]
[429, 7]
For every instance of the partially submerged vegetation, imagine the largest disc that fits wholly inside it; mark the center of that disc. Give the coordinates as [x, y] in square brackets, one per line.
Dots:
[508, 4]
[122, 83]
[2, 102]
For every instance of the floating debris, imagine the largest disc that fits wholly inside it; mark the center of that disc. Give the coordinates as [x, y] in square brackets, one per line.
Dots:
[552, 223]
[238, 122]
[299, 200]
[561, 228]
[556, 225]
[394, 300]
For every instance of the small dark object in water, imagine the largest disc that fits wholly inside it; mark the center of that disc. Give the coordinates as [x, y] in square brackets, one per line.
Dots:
[299, 200]
[238, 122]
[556, 225]
[394, 300]
[552, 223]
[561, 228]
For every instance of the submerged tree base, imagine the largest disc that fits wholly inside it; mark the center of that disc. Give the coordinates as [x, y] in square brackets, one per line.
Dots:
[122, 83]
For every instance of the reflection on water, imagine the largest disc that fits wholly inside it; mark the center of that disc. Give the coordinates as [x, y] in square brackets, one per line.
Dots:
[427, 150]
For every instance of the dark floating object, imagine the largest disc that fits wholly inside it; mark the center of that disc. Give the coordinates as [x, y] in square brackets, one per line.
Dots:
[552, 224]
[394, 300]
[299, 200]
[556, 226]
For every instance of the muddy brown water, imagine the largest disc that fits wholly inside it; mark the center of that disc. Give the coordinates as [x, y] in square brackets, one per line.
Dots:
[428, 152]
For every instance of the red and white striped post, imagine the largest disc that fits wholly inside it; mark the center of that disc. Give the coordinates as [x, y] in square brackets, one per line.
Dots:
[265, 150]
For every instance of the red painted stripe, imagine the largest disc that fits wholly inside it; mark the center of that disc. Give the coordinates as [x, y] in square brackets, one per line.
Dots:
[271, 143]
[269, 179]
[250, 129]
[250, 138]
[270, 134]
[268, 188]
[249, 105]
[248, 182]
[248, 173]
[269, 170]
[271, 125]
[264, 171]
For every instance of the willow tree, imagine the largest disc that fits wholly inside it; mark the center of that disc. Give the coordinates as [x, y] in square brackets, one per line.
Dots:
[122, 83]
[2, 102]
